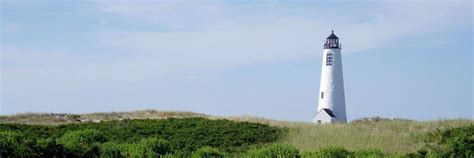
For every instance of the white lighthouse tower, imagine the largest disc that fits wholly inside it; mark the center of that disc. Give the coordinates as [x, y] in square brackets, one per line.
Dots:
[332, 104]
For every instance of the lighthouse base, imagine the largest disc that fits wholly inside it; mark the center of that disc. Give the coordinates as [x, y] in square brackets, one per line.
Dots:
[324, 115]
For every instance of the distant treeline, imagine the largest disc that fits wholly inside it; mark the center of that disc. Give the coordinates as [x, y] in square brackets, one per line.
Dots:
[193, 137]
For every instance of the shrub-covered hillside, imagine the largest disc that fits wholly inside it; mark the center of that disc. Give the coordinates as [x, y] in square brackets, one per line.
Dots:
[133, 137]
[150, 133]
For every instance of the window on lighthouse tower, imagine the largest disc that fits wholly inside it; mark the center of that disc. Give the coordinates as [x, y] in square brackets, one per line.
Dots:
[329, 59]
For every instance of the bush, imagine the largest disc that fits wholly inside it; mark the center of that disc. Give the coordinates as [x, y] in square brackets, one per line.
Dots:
[110, 150]
[275, 150]
[147, 147]
[47, 147]
[154, 146]
[398, 156]
[332, 152]
[184, 135]
[177, 154]
[455, 142]
[206, 152]
[16, 145]
[82, 143]
[367, 153]
[8, 141]
[132, 150]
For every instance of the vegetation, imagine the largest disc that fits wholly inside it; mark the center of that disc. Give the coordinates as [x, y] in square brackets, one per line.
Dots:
[456, 142]
[208, 152]
[184, 134]
[275, 150]
[63, 118]
[133, 138]
[389, 136]
[333, 152]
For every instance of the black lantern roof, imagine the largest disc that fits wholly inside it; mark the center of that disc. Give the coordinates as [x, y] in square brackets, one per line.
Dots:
[332, 36]
[332, 42]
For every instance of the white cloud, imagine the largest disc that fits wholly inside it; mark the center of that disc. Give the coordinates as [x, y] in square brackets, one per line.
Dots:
[223, 47]
[175, 14]
[214, 35]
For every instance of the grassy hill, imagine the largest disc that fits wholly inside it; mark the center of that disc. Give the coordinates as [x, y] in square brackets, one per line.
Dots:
[389, 136]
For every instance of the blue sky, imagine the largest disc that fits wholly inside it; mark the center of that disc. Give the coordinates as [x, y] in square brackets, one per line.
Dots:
[402, 59]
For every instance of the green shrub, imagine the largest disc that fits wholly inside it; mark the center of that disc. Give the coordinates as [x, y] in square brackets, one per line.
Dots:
[16, 145]
[414, 155]
[329, 152]
[334, 152]
[206, 152]
[147, 147]
[134, 150]
[8, 141]
[47, 147]
[397, 156]
[184, 135]
[110, 150]
[275, 150]
[177, 154]
[82, 143]
[154, 146]
[367, 153]
[455, 142]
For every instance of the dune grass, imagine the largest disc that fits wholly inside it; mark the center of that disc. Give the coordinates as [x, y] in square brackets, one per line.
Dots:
[390, 136]
[64, 118]
[141, 114]
[36, 118]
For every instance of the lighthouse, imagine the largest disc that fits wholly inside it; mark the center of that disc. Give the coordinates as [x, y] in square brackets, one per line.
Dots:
[331, 104]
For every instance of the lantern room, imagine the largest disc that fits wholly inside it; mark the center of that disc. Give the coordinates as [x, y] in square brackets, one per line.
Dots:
[332, 42]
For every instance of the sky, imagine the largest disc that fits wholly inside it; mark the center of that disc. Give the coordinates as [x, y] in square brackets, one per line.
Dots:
[401, 59]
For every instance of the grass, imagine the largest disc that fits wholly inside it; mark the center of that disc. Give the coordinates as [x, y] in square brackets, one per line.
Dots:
[64, 118]
[393, 136]
[390, 136]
